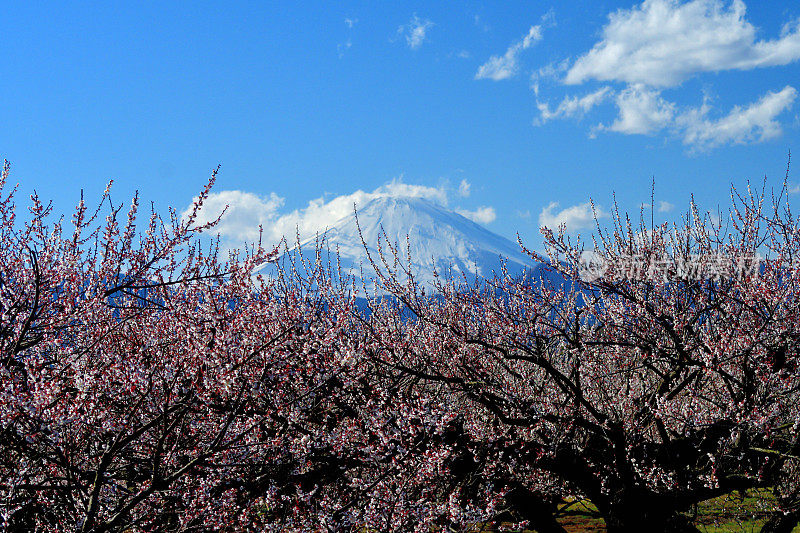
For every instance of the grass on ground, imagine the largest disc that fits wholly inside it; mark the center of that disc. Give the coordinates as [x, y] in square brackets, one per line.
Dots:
[732, 513]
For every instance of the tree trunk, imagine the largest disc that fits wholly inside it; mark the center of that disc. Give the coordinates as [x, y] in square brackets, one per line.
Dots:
[537, 510]
[638, 524]
[644, 514]
[780, 523]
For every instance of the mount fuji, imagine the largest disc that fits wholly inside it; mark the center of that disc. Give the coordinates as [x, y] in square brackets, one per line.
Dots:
[437, 241]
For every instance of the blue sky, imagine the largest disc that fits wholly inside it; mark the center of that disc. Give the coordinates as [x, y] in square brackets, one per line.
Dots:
[513, 113]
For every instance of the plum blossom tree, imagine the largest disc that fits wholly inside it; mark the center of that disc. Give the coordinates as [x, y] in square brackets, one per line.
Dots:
[668, 378]
[141, 377]
[147, 384]
[124, 377]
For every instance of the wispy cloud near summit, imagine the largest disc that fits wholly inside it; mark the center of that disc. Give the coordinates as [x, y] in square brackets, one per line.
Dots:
[246, 211]
[573, 218]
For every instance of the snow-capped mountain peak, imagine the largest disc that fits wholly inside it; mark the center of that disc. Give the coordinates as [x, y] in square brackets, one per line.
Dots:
[435, 238]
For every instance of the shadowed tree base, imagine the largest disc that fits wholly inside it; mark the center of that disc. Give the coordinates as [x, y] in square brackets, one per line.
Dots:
[781, 523]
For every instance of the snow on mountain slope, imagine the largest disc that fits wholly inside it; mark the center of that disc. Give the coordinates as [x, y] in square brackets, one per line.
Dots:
[438, 240]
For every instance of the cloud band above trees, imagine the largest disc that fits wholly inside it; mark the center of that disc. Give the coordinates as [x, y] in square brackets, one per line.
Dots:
[245, 212]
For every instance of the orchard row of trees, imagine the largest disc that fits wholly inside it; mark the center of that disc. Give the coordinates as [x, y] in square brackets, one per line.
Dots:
[148, 384]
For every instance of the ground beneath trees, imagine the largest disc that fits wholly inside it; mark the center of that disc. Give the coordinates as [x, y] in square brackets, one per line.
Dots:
[733, 513]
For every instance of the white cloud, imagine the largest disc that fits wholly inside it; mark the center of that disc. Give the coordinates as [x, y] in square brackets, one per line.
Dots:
[483, 215]
[464, 188]
[503, 67]
[753, 123]
[663, 207]
[549, 71]
[664, 42]
[415, 31]
[247, 210]
[321, 213]
[571, 106]
[341, 48]
[641, 111]
[480, 24]
[574, 217]
[655, 46]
